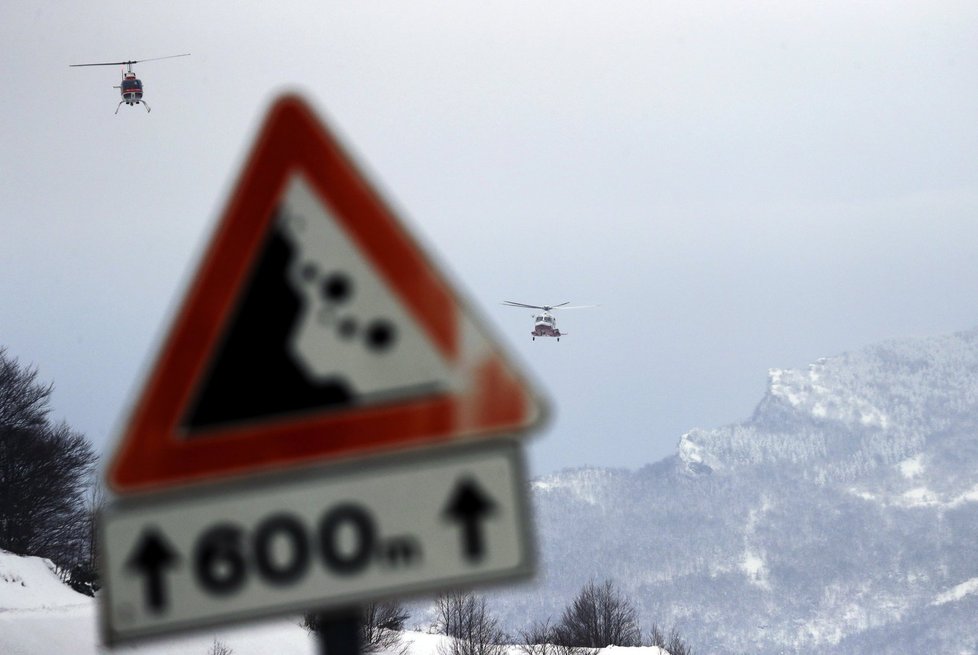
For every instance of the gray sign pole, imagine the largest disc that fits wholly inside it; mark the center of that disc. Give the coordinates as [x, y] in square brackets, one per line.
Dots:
[340, 631]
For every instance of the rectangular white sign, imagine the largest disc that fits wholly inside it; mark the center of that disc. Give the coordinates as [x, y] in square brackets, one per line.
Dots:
[315, 539]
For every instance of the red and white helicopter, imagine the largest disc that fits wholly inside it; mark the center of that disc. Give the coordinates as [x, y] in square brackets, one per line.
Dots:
[131, 87]
[545, 323]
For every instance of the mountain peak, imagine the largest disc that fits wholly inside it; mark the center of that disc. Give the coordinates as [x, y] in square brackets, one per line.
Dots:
[851, 412]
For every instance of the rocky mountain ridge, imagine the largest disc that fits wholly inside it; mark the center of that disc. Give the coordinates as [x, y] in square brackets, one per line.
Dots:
[841, 517]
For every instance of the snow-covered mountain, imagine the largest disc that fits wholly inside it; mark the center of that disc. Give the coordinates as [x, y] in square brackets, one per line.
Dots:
[841, 517]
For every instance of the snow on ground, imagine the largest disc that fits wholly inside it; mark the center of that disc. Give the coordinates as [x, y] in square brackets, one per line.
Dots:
[73, 630]
[31, 583]
[958, 592]
[40, 615]
[912, 467]
[640, 650]
[919, 497]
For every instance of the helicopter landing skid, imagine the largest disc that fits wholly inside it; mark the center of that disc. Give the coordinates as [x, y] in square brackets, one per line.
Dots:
[142, 102]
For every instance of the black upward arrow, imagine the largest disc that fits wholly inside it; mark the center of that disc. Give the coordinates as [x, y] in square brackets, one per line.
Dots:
[468, 506]
[149, 559]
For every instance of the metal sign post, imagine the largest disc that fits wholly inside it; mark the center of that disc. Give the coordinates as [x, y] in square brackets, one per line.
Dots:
[340, 632]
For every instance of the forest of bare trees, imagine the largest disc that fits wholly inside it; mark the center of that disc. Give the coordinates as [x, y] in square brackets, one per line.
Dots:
[599, 616]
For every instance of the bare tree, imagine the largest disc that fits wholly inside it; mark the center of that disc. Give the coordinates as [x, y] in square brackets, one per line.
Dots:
[220, 648]
[541, 639]
[44, 471]
[676, 645]
[381, 624]
[24, 402]
[656, 637]
[599, 616]
[83, 574]
[94, 503]
[381, 627]
[466, 618]
[42, 481]
[538, 639]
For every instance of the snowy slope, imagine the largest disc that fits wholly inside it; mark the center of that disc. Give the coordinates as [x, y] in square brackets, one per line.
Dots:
[39, 615]
[30, 583]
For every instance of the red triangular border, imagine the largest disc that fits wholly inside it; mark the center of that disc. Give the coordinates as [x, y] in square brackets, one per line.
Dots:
[153, 454]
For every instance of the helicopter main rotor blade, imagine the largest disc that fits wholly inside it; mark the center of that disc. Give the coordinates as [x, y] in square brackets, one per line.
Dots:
[547, 308]
[106, 63]
[510, 303]
[129, 63]
[186, 54]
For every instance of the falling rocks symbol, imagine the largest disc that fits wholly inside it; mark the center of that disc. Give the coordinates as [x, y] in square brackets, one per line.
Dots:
[252, 375]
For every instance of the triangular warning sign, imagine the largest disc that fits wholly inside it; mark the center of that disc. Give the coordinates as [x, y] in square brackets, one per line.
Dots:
[316, 328]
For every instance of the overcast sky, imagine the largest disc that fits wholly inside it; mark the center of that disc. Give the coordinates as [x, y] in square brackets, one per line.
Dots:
[740, 186]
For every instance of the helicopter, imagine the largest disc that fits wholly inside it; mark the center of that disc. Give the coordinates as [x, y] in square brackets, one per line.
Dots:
[131, 87]
[545, 323]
